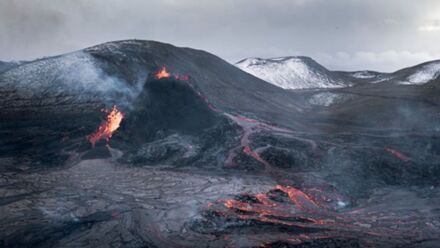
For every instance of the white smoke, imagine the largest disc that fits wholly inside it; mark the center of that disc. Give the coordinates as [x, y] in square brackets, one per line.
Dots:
[78, 76]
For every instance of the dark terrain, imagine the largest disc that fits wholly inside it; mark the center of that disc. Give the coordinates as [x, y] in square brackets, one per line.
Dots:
[210, 156]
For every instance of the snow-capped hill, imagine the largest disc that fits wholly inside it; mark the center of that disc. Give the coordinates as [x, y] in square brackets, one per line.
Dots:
[423, 73]
[292, 72]
[415, 75]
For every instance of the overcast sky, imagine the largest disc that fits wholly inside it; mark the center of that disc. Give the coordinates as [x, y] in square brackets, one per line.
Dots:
[340, 34]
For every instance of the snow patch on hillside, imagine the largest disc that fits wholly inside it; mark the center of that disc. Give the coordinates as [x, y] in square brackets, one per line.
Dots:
[324, 99]
[363, 75]
[291, 72]
[425, 74]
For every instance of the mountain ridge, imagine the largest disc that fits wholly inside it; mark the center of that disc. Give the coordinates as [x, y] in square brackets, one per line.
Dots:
[292, 72]
[305, 73]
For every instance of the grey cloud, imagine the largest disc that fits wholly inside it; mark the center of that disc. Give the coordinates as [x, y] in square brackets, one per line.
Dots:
[232, 29]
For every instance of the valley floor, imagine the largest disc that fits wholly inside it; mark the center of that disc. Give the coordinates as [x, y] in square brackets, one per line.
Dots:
[100, 203]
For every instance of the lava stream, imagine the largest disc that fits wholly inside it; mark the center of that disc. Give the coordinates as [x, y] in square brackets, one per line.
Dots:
[398, 154]
[293, 208]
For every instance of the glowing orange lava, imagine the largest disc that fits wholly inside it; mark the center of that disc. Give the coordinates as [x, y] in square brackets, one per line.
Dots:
[299, 198]
[108, 126]
[163, 73]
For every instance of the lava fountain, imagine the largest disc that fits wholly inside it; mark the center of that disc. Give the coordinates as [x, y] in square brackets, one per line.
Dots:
[163, 73]
[108, 126]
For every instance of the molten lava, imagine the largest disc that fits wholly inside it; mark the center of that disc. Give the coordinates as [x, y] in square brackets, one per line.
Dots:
[108, 126]
[299, 198]
[398, 154]
[163, 73]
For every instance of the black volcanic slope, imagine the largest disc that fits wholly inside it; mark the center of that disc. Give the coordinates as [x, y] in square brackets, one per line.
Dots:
[4, 66]
[211, 156]
[224, 85]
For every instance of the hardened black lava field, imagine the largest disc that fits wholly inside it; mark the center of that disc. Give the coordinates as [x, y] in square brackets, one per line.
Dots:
[143, 144]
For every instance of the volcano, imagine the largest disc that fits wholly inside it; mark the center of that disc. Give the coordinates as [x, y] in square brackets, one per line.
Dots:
[143, 144]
